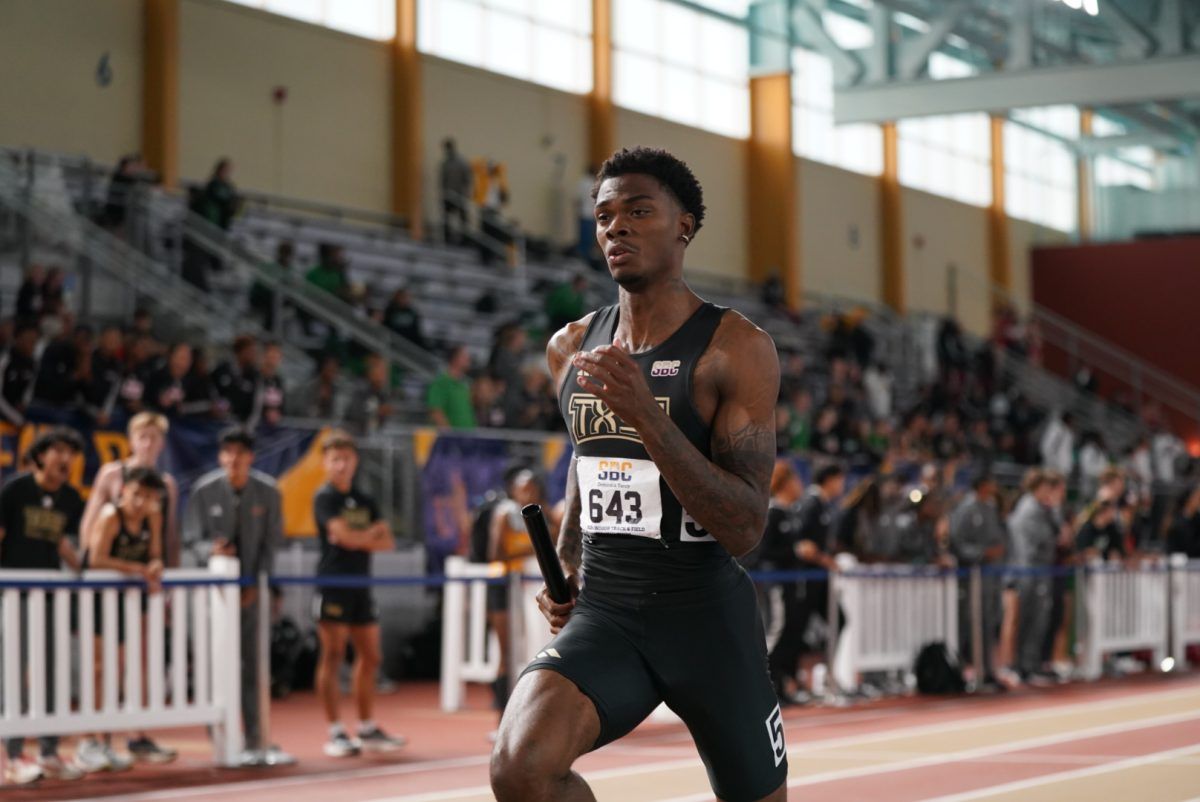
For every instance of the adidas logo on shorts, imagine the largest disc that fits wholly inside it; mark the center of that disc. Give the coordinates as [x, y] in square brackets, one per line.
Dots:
[549, 653]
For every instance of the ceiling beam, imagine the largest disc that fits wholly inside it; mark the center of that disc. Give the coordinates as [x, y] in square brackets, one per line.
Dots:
[1093, 145]
[914, 54]
[1083, 85]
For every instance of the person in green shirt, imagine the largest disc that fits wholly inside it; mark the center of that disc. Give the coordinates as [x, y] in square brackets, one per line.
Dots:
[449, 395]
[329, 273]
[566, 302]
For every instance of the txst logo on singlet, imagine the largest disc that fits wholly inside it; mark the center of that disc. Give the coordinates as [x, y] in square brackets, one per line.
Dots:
[666, 367]
[591, 419]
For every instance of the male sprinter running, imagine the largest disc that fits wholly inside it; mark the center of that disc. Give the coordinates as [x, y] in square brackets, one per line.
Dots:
[670, 403]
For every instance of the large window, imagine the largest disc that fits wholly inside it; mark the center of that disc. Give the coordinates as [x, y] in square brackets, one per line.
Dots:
[1040, 176]
[1132, 167]
[682, 64]
[814, 136]
[544, 41]
[373, 19]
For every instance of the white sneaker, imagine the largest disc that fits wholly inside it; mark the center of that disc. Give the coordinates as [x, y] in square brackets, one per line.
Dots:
[91, 756]
[53, 768]
[117, 761]
[342, 745]
[21, 771]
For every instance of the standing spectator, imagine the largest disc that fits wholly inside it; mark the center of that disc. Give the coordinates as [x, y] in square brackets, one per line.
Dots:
[565, 303]
[219, 201]
[200, 398]
[329, 273]
[789, 617]
[492, 226]
[977, 540]
[104, 378]
[1093, 462]
[504, 365]
[130, 170]
[1033, 530]
[272, 398]
[1183, 530]
[164, 387]
[18, 371]
[1100, 537]
[585, 214]
[237, 382]
[147, 434]
[449, 395]
[57, 383]
[262, 298]
[349, 530]
[538, 408]
[236, 511]
[455, 180]
[402, 318]
[54, 292]
[139, 364]
[373, 405]
[39, 516]
[487, 399]
[29, 295]
[320, 398]
[1058, 444]
[877, 385]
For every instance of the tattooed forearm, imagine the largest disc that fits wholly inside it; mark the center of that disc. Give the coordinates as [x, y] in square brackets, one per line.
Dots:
[570, 536]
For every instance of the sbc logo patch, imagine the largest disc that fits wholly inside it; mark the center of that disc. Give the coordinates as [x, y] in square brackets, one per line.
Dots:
[665, 367]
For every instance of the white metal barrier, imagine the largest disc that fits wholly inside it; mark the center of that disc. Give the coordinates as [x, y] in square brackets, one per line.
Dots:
[1126, 610]
[470, 652]
[891, 612]
[53, 692]
[1185, 606]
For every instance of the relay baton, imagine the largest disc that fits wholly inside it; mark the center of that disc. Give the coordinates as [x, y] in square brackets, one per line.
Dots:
[543, 547]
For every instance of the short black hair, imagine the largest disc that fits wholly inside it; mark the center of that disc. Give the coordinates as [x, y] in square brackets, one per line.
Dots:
[980, 478]
[668, 170]
[56, 436]
[236, 436]
[146, 477]
[827, 472]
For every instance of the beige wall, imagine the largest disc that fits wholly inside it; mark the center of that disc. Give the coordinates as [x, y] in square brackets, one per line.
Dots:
[329, 141]
[1022, 238]
[720, 165]
[49, 96]
[939, 233]
[839, 233]
[540, 135]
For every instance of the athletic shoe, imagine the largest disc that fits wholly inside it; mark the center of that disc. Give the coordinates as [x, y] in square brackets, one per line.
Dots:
[1040, 679]
[91, 756]
[342, 745]
[21, 771]
[54, 769]
[252, 758]
[145, 750]
[117, 761]
[376, 740]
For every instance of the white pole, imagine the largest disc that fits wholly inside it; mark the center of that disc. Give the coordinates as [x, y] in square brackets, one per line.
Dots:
[35, 624]
[453, 601]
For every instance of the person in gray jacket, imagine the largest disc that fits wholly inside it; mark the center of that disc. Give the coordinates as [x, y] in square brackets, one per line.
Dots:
[1033, 530]
[977, 539]
[237, 512]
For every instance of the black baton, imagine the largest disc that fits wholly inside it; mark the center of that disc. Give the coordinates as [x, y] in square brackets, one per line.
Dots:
[543, 547]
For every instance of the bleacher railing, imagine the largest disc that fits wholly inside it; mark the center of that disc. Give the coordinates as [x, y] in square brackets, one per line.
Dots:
[191, 654]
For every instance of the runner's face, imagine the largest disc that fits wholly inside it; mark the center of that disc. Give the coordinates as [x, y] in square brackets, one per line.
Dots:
[639, 225]
[147, 445]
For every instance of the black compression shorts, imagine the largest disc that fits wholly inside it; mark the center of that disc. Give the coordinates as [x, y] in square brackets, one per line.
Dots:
[705, 658]
[353, 606]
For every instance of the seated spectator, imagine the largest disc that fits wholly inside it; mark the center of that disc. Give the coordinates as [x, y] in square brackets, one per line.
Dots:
[139, 363]
[319, 398]
[566, 302]
[271, 395]
[262, 297]
[329, 273]
[57, 383]
[54, 292]
[200, 399]
[164, 387]
[236, 381]
[948, 441]
[30, 296]
[487, 399]
[402, 318]
[1093, 462]
[373, 404]
[539, 404]
[827, 435]
[449, 395]
[18, 372]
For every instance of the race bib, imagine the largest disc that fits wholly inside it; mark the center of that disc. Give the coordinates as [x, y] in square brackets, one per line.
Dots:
[619, 496]
[692, 532]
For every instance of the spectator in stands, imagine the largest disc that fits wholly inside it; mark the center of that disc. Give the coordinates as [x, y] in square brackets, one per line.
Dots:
[1058, 444]
[1183, 528]
[104, 377]
[122, 186]
[827, 433]
[1100, 536]
[18, 371]
[262, 298]
[1033, 530]
[139, 364]
[219, 202]
[373, 404]
[350, 529]
[948, 441]
[164, 386]
[1093, 462]
[449, 395]
[455, 180]
[566, 302]
[877, 387]
[487, 399]
[29, 295]
[236, 511]
[1023, 420]
[272, 398]
[492, 224]
[57, 384]
[509, 350]
[147, 434]
[538, 408]
[54, 292]
[200, 399]
[39, 517]
[778, 550]
[329, 273]
[237, 381]
[977, 540]
[319, 398]
[401, 317]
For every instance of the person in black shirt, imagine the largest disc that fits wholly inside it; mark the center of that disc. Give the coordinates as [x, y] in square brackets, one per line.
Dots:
[402, 318]
[1183, 532]
[199, 394]
[778, 552]
[39, 515]
[1101, 535]
[271, 395]
[29, 295]
[237, 381]
[57, 382]
[164, 388]
[349, 529]
[18, 370]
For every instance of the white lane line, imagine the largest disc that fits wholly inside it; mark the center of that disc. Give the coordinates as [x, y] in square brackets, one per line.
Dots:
[1062, 776]
[966, 755]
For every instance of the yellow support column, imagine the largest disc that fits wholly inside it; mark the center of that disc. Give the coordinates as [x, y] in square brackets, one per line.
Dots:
[891, 225]
[999, 258]
[601, 114]
[407, 119]
[160, 88]
[773, 217]
[1083, 183]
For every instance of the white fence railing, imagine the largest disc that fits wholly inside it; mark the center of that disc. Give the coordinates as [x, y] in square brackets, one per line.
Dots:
[48, 660]
[1126, 611]
[1185, 606]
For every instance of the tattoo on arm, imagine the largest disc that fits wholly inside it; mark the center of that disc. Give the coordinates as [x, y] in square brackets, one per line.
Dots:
[570, 535]
[748, 453]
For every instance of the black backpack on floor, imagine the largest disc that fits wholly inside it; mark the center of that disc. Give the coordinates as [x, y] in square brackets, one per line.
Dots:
[938, 671]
